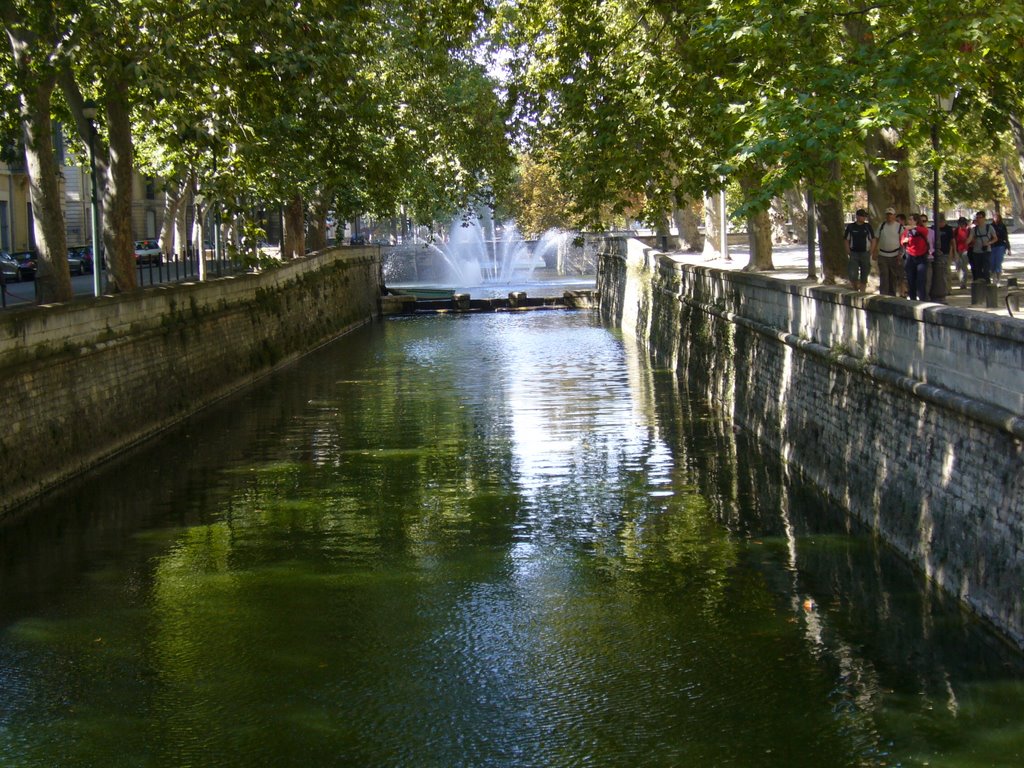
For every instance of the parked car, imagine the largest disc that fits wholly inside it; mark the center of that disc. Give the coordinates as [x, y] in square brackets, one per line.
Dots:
[357, 240]
[26, 264]
[80, 259]
[9, 268]
[148, 252]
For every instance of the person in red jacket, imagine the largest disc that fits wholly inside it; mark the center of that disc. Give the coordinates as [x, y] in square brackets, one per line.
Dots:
[960, 239]
[919, 244]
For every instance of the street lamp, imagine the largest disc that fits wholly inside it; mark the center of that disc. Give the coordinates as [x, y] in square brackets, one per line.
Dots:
[945, 106]
[89, 112]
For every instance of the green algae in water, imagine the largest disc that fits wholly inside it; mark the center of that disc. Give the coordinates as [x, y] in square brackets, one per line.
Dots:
[494, 542]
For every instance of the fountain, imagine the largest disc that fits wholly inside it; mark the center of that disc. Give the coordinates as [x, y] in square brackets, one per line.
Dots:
[468, 260]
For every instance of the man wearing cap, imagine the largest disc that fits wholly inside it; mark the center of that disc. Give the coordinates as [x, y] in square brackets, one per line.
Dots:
[886, 251]
[860, 239]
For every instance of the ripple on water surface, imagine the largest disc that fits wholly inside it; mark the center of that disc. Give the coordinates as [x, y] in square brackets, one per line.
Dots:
[483, 541]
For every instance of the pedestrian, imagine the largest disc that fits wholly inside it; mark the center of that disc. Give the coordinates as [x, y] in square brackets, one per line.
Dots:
[960, 243]
[918, 242]
[1000, 247]
[945, 247]
[979, 246]
[902, 271]
[860, 240]
[886, 251]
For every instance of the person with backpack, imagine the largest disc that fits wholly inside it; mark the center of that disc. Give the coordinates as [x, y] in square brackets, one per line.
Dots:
[886, 250]
[1000, 247]
[960, 236]
[979, 246]
[860, 239]
[919, 243]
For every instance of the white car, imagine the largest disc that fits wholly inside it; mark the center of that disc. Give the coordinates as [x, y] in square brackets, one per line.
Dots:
[148, 252]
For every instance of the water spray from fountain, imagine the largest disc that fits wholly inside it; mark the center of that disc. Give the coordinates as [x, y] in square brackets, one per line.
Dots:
[474, 253]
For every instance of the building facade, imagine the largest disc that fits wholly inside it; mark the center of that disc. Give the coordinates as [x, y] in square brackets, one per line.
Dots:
[16, 222]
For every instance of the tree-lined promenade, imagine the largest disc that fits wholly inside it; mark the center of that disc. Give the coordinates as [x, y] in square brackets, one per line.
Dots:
[597, 110]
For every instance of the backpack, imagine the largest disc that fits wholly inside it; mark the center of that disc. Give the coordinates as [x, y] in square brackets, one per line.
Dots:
[981, 238]
[899, 236]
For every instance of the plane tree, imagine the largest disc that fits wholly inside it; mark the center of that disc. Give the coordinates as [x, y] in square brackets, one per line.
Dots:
[662, 99]
[29, 61]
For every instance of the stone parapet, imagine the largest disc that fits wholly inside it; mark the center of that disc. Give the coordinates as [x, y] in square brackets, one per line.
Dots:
[86, 380]
[909, 415]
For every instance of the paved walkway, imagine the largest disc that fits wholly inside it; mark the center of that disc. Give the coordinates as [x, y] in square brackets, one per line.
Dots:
[791, 264]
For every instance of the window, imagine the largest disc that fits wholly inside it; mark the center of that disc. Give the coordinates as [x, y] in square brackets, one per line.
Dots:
[5, 228]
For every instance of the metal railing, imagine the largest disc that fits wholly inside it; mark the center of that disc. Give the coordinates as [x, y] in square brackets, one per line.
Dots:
[165, 272]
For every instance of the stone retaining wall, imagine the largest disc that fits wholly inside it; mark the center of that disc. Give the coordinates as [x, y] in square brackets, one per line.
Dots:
[909, 415]
[85, 380]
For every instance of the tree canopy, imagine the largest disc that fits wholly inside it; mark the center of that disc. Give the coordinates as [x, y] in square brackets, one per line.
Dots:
[621, 105]
[662, 100]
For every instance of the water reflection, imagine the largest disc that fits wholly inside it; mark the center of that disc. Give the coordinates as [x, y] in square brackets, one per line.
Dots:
[498, 540]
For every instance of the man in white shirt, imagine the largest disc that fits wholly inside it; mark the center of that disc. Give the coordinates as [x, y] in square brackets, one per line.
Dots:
[886, 250]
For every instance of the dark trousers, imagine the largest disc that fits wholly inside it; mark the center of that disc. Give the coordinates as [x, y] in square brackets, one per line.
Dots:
[980, 263]
[917, 277]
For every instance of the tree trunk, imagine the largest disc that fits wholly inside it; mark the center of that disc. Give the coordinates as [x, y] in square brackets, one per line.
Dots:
[778, 216]
[1013, 186]
[294, 244]
[1017, 130]
[886, 189]
[117, 199]
[829, 213]
[172, 201]
[712, 226]
[53, 280]
[663, 233]
[797, 206]
[759, 235]
[317, 240]
[76, 104]
[36, 83]
[198, 234]
[688, 227]
[182, 221]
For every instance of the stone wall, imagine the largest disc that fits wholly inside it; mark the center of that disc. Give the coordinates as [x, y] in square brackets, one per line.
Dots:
[88, 379]
[908, 415]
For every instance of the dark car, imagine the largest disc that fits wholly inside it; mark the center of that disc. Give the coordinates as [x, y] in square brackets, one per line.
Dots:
[26, 263]
[80, 259]
[357, 240]
[9, 268]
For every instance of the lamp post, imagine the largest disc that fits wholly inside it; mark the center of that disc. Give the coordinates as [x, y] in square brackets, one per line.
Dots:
[945, 106]
[89, 112]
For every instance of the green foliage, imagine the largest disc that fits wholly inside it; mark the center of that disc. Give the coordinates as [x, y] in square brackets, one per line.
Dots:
[654, 101]
[365, 106]
[539, 202]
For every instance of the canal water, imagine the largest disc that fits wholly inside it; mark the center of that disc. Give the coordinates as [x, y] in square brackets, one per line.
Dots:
[494, 540]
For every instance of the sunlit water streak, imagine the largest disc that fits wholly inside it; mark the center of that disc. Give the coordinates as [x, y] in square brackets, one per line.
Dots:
[485, 541]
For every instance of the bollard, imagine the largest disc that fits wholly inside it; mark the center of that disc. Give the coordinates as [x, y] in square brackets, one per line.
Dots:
[517, 299]
[461, 301]
[991, 296]
[975, 293]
